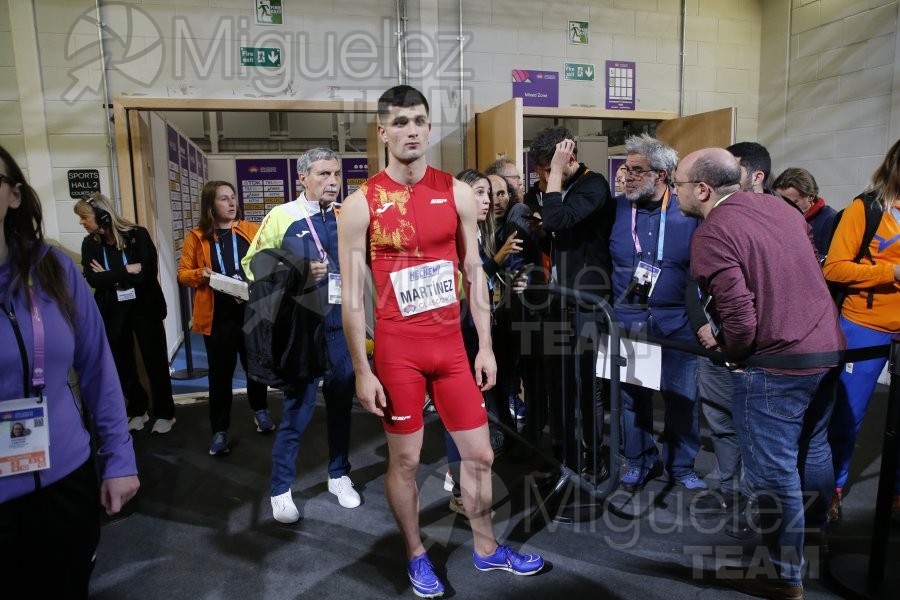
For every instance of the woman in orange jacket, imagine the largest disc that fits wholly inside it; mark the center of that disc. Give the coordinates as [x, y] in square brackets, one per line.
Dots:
[216, 246]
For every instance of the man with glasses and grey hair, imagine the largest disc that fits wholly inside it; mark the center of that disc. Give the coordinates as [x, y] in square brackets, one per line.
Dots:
[650, 247]
[307, 227]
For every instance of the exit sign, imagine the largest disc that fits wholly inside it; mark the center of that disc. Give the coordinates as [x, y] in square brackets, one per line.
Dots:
[579, 72]
[260, 57]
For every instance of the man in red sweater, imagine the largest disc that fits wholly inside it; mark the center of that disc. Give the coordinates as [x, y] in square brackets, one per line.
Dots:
[774, 308]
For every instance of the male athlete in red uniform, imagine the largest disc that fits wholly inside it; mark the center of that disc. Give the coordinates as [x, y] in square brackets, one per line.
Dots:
[415, 227]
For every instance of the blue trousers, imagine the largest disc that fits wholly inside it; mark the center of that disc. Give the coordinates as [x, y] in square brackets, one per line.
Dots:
[338, 389]
[681, 433]
[854, 391]
[782, 423]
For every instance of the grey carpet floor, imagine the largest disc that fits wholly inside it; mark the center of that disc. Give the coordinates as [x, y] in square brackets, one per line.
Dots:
[201, 527]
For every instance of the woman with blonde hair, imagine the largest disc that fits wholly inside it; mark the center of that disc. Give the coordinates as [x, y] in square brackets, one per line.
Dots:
[120, 262]
[217, 245]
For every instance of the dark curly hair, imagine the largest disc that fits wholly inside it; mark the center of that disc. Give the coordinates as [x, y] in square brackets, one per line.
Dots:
[543, 146]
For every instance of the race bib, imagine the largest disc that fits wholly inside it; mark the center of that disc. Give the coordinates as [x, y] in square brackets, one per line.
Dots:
[425, 287]
[126, 295]
[24, 436]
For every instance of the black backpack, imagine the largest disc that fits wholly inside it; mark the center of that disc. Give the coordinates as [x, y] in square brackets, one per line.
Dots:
[283, 322]
[874, 213]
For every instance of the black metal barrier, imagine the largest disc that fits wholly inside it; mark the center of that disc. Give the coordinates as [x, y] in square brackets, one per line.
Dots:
[585, 310]
[581, 460]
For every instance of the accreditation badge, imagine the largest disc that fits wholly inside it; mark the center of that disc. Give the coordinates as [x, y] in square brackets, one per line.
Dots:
[647, 274]
[334, 288]
[126, 295]
[24, 436]
[425, 287]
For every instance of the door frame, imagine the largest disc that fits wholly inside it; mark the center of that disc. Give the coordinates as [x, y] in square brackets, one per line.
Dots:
[130, 147]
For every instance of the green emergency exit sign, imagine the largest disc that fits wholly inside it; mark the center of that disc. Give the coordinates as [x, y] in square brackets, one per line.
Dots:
[579, 72]
[260, 57]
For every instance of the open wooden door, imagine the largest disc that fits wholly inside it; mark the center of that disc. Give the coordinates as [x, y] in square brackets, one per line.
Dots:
[499, 132]
[714, 129]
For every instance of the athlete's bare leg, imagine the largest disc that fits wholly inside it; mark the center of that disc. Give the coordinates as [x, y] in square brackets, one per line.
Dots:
[401, 488]
[477, 495]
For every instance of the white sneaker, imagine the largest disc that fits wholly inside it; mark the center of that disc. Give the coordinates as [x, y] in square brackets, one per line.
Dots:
[137, 423]
[283, 508]
[163, 425]
[342, 487]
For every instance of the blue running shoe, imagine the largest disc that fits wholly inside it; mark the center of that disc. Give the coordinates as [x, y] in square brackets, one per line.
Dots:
[424, 581]
[691, 481]
[263, 421]
[506, 559]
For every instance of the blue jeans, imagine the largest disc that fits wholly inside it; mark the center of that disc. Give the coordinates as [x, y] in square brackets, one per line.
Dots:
[681, 433]
[299, 407]
[782, 425]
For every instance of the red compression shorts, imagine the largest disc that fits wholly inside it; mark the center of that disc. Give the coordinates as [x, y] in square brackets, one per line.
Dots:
[407, 365]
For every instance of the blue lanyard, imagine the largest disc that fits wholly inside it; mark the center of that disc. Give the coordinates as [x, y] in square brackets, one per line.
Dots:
[106, 262]
[237, 268]
[660, 238]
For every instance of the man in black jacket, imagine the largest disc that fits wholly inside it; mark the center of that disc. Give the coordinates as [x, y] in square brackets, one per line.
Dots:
[577, 214]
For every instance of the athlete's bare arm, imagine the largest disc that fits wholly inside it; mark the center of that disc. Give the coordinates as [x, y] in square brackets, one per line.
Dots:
[352, 231]
[474, 280]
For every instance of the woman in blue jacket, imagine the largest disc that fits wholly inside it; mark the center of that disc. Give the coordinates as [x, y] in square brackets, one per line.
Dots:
[49, 492]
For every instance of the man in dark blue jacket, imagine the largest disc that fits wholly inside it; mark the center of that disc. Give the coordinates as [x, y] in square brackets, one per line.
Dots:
[307, 228]
[650, 247]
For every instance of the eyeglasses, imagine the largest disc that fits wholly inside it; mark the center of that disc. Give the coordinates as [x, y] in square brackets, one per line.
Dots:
[637, 171]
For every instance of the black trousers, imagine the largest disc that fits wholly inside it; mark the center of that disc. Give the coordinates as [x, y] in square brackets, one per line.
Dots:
[48, 538]
[224, 345]
[125, 324]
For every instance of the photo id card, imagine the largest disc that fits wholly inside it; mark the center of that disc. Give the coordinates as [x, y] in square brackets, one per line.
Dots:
[24, 436]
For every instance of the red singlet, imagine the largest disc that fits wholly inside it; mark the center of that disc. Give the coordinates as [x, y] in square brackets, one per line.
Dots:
[411, 226]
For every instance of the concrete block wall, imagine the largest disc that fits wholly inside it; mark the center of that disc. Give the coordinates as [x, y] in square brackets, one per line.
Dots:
[832, 105]
[722, 50]
[841, 56]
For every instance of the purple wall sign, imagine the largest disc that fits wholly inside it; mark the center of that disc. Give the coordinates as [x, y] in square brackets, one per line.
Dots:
[175, 189]
[187, 208]
[355, 171]
[619, 85]
[536, 88]
[262, 184]
[295, 179]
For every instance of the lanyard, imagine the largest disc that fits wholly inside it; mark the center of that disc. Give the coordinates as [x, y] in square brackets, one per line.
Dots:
[315, 235]
[237, 265]
[660, 238]
[106, 262]
[37, 334]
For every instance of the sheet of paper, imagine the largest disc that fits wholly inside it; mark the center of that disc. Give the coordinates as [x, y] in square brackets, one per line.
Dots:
[643, 366]
[230, 285]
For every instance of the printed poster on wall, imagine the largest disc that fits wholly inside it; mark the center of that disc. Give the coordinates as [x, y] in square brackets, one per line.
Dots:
[355, 171]
[619, 85]
[262, 184]
[175, 188]
[187, 209]
[295, 179]
[536, 88]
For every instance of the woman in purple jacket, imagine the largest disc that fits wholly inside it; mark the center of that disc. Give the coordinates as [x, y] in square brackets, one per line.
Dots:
[49, 490]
